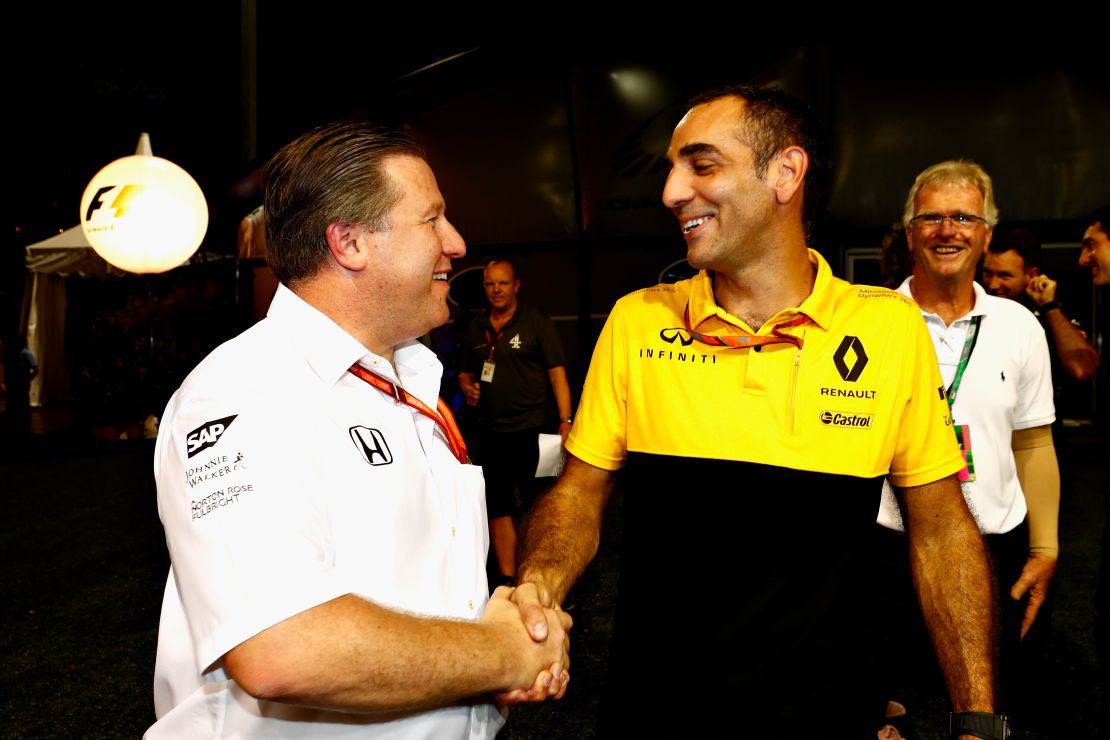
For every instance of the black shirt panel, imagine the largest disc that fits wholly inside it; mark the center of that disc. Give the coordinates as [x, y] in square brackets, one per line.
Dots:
[749, 578]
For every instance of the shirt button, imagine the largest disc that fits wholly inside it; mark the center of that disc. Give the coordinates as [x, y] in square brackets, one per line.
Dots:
[470, 604]
[452, 531]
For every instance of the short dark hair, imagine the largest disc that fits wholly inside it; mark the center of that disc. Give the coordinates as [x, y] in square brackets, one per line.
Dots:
[1022, 241]
[332, 173]
[1100, 216]
[502, 261]
[774, 121]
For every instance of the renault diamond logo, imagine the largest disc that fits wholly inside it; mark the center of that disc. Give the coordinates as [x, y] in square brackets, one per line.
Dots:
[853, 344]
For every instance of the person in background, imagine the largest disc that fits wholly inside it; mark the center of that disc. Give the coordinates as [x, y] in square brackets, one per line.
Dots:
[1012, 269]
[513, 370]
[993, 359]
[1094, 256]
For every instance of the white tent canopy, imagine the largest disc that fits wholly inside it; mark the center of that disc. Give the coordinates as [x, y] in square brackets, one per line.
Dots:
[68, 253]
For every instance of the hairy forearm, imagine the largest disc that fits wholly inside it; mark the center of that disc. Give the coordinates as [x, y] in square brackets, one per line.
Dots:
[952, 577]
[563, 530]
[1078, 356]
[352, 655]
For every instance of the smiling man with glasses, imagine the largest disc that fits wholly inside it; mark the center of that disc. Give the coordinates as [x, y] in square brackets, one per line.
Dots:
[994, 362]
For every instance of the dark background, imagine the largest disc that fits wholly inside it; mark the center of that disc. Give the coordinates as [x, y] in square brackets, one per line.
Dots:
[546, 142]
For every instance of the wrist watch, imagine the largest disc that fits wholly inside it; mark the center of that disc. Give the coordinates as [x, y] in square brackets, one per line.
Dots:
[979, 724]
[568, 420]
[1046, 307]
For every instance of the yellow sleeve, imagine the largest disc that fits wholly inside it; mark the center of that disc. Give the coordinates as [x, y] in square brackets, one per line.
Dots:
[599, 434]
[926, 449]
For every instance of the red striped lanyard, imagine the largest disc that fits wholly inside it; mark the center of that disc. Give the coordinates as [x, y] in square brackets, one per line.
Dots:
[492, 341]
[745, 341]
[445, 420]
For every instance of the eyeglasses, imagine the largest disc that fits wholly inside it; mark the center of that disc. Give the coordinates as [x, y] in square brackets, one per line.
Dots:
[961, 221]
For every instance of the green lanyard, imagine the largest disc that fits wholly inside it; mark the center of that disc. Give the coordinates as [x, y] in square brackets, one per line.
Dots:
[969, 345]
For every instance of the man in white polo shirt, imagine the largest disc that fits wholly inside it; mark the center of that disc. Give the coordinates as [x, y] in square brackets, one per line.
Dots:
[327, 534]
[994, 363]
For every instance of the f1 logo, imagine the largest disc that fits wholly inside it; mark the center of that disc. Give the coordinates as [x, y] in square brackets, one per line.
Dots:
[371, 445]
[850, 374]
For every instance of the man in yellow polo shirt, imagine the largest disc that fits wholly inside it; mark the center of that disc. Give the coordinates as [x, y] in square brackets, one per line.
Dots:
[755, 410]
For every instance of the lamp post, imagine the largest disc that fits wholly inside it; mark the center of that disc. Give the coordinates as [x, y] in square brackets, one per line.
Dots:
[144, 214]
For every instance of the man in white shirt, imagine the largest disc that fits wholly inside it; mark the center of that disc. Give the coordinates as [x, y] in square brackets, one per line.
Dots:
[994, 363]
[326, 532]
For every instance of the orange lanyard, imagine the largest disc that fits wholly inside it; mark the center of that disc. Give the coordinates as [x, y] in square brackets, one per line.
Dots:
[745, 341]
[444, 419]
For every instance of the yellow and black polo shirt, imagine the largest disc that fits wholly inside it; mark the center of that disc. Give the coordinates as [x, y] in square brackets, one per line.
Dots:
[758, 472]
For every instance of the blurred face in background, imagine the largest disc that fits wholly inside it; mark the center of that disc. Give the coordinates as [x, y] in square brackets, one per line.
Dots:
[1004, 274]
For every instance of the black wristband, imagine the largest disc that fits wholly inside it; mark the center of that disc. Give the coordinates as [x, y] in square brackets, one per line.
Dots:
[980, 724]
[1046, 307]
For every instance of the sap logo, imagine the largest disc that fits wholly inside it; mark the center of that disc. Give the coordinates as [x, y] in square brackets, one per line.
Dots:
[207, 434]
[670, 335]
[853, 421]
[853, 344]
[371, 445]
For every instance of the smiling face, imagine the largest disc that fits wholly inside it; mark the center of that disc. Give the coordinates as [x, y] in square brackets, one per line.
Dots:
[1004, 274]
[948, 253]
[1095, 255]
[723, 207]
[412, 257]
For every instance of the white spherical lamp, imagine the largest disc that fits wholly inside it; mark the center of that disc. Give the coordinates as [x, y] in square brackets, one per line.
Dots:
[144, 214]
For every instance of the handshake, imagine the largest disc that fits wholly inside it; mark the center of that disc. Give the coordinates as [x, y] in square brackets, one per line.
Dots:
[537, 635]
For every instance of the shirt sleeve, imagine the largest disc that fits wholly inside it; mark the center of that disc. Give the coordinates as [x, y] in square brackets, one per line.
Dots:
[1035, 406]
[250, 546]
[599, 434]
[926, 449]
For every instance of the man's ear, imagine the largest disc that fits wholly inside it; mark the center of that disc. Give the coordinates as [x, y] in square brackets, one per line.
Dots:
[789, 173]
[349, 244]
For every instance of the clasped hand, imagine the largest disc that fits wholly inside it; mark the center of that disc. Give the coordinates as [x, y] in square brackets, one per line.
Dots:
[544, 660]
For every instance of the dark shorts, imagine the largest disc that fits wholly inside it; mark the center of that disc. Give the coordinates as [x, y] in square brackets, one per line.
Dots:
[509, 462]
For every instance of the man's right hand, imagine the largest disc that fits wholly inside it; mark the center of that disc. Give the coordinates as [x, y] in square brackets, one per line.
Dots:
[1042, 289]
[543, 664]
[473, 393]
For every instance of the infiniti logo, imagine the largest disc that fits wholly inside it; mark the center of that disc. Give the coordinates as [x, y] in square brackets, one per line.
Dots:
[669, 335]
